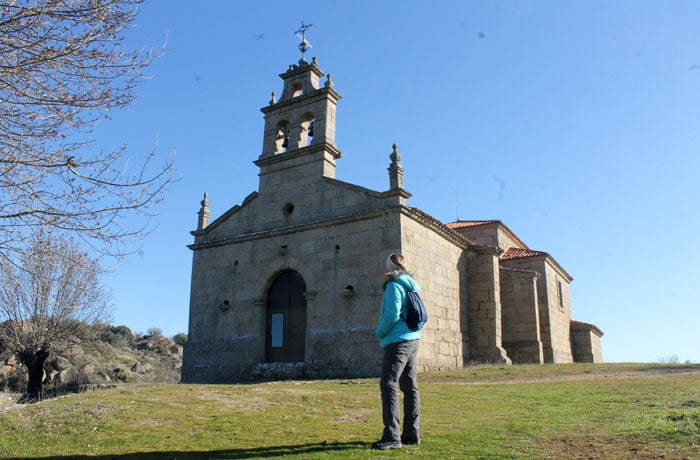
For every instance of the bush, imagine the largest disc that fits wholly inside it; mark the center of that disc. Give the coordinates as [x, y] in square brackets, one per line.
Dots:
[116, 335]
[13, 382]
[180, 338]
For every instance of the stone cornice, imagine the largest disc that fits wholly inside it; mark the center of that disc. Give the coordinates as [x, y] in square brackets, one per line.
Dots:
[410, 212]
[289, 229]
[547, 258]
[521, 272]
[301, 68]
[436, 226]
[358, 188]
[581, 326]
[320, 93]
[308, 150]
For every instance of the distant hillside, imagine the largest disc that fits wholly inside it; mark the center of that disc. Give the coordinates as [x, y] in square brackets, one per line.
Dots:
[115, 355]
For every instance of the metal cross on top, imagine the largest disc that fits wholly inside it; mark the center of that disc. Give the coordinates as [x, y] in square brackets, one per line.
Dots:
[304, 45]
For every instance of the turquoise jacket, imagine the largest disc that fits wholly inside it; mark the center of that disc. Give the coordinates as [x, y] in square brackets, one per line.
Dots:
[391, 328]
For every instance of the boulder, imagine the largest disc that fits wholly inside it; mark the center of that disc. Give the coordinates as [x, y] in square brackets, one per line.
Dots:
[141, 368]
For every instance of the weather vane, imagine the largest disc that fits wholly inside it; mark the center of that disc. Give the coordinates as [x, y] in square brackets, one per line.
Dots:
[304, 45]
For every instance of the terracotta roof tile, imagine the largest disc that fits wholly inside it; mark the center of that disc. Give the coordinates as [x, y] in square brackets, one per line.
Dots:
[517, 253]
[470, 223]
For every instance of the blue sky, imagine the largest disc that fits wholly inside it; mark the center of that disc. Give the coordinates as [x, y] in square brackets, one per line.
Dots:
[575, 123]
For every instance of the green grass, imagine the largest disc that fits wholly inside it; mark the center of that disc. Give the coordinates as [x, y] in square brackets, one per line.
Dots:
[491, 412]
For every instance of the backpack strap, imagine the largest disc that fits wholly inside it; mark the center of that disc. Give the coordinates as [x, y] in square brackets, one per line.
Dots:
[402, 315]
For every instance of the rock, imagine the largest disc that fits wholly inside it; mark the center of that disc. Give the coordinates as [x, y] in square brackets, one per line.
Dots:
[88, 370]
[60, 363]
[141, 368]
[120, 374]
[58, 378]
[145, 344]
[101, 378]
[11, 363]
[176, 350]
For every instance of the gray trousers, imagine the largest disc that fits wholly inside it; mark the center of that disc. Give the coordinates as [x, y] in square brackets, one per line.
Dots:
[400, 371]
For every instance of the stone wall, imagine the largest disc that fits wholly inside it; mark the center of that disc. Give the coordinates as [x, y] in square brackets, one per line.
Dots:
[521, 324]
[585, 342]
[484, 233]
[554, 309]
[484, 309]
[558, 314]
[437, 265]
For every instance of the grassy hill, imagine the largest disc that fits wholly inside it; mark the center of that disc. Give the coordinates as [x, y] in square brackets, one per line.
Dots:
[553, 411]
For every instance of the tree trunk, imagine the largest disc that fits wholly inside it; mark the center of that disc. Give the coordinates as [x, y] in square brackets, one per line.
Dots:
[34, 361]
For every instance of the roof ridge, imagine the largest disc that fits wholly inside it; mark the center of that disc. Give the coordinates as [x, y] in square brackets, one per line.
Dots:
[470, 223]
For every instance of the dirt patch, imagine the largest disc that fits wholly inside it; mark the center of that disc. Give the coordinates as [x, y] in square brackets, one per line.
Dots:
[584, 447]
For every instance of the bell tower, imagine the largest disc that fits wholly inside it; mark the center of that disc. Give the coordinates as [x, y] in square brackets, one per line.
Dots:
[299, 131]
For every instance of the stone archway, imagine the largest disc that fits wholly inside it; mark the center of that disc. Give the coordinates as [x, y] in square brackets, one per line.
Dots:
[285, 330]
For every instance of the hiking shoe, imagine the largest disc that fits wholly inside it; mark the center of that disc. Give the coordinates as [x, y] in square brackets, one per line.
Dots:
[384, 445]
[410, 441]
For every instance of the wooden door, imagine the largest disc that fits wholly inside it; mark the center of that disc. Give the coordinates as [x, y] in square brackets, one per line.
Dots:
[286, 319]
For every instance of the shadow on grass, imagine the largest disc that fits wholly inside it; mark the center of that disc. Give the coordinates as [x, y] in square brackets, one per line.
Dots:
[255, 452]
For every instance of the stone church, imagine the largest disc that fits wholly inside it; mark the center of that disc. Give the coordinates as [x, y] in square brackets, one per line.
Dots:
[288, 283]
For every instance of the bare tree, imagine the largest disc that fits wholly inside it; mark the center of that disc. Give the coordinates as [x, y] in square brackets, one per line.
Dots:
[49, 301]
[63, 68]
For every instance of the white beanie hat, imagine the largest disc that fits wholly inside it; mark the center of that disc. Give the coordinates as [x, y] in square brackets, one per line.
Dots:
[391, 266]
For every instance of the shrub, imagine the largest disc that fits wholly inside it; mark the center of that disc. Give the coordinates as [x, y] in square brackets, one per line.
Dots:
[116, 335]
[13, 382]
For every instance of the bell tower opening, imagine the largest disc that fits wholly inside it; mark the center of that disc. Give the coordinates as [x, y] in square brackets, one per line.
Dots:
[282, 137]
[307, 130]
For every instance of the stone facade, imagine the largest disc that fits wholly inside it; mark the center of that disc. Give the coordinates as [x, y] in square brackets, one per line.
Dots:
[288, 283]
[520, 317]
[585, 342]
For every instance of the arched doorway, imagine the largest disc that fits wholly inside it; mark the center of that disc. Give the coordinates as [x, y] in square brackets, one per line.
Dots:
[286, 319]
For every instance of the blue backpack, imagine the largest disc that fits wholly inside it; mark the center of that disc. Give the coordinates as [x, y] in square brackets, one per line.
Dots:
[416, 314]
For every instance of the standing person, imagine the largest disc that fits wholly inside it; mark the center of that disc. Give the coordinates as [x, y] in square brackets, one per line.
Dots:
[399, 369]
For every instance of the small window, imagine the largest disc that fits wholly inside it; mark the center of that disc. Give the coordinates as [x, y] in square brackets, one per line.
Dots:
[288, 209]
[560, 294]
[297, 89]
[277, 330]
